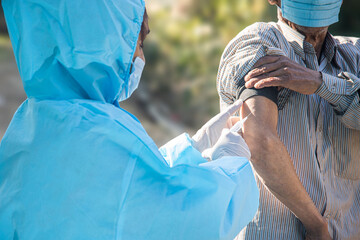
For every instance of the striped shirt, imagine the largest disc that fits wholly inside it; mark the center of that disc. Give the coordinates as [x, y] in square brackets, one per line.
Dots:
[321, 131]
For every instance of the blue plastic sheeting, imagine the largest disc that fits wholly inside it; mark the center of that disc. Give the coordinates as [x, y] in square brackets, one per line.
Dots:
[74, 165]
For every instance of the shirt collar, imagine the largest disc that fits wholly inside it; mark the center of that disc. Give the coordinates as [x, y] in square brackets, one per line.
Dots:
[297, 41]
[330, 49]
[295, 38]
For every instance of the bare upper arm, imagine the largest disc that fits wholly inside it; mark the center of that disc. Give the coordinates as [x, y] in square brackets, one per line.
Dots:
[260, 129]
[263, 113]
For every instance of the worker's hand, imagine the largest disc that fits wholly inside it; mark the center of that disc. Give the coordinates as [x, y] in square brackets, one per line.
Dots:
[209, 134]
[229, 144]
[280, 71]
[318, 233]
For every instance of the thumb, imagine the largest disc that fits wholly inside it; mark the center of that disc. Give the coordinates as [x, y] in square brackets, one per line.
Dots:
[232, 121]
[233, 108]
[223, 117]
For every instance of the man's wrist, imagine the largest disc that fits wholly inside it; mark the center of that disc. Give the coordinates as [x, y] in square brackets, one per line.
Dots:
[318, 80]
[316, 224]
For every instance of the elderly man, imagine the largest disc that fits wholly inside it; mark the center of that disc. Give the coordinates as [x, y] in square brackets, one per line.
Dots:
[301, 88]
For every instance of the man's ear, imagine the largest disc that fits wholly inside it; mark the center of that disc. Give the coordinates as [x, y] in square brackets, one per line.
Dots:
[275, 2]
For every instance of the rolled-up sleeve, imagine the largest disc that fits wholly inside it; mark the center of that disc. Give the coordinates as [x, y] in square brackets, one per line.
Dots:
[239, 58]
[342, 92]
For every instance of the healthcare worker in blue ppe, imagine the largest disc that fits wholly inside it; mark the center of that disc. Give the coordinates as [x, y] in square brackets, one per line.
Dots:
[75, 165]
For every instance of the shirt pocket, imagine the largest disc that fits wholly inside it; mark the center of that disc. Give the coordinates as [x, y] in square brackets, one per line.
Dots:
[345, 144]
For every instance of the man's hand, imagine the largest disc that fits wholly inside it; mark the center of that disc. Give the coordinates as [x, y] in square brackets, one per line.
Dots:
[280, 71]
[319, 233]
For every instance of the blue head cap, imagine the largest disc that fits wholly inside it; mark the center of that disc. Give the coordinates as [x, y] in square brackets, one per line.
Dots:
[74, 49]
[311, 13]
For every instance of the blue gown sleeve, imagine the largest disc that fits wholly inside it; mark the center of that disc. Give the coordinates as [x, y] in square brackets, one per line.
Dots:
[180, 150]
[197, 199]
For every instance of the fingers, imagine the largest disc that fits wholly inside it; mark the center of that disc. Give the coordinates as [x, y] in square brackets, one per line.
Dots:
[232, 121]
[268, 71]
[234, 108]
[268, 59]
[237, 127]
[270, 82]
[274, 78]
[263, 69]
[223, 117]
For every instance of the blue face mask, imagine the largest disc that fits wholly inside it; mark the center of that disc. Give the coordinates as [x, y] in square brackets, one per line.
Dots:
[311, 13]
[134, 78]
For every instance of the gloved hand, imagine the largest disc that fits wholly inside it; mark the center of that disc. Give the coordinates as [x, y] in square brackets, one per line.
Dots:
[230, 143]
[209, 134]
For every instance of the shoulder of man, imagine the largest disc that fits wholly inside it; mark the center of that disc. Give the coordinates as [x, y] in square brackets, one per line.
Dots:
[348, 44]
[255, 34]
[348, 52]
[352, 41]
[242, 53]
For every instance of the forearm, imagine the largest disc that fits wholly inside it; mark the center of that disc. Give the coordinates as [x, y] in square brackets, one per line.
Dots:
[273, 164]
[275, 168]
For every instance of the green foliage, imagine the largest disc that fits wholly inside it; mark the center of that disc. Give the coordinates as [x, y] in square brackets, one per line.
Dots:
[185, 49]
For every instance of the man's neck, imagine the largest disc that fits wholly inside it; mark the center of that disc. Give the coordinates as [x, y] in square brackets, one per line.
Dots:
[314, 36]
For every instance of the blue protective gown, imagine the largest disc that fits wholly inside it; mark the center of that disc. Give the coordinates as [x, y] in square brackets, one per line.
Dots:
[74, 165]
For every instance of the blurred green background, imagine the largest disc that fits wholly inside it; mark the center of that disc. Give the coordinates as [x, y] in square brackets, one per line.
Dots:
[178, 88]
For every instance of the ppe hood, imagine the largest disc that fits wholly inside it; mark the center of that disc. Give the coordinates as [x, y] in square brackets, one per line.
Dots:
[74, 49]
